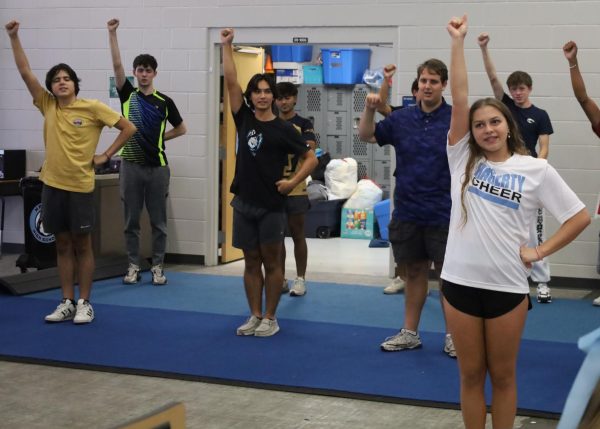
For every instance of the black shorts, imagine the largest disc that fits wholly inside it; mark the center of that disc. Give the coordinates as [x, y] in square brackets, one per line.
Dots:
[483, 303]
[412, 242]
[67, 211]
[297, 204]
[253, 226]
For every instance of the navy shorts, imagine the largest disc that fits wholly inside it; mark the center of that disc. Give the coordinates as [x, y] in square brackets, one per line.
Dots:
[297, 204]
[483, 303]
[67, 211]
[412, 242]
[253, 226]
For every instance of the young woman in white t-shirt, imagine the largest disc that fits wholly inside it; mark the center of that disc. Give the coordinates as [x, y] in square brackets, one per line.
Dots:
[496, 190]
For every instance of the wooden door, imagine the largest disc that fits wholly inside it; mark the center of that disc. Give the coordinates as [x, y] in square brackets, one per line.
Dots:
[248, 62]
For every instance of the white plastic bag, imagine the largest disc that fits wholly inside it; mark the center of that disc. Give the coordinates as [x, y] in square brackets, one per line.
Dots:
[367, 194]
[341, 176]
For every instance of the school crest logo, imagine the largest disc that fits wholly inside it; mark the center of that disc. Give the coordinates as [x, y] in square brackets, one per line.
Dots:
[254, 140]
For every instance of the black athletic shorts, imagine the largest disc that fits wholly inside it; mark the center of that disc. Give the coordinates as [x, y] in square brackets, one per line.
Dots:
[412, 242]
[66, 211]
[297, 204]
[253, 226]
[483, 303]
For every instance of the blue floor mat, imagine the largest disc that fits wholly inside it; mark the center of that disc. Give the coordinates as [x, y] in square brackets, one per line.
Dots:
[329, 341]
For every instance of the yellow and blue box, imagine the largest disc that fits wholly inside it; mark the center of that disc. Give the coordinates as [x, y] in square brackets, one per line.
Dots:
[357, 223]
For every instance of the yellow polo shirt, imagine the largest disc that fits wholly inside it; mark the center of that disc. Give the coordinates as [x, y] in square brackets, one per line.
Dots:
[71, 135]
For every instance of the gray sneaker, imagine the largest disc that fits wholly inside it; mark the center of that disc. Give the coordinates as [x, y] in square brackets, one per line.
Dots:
[596, 301]
[158, 275]
[133, 275]
[63, 312]
[403, 340]
[249, 326]
[267, 328]
[449, 346]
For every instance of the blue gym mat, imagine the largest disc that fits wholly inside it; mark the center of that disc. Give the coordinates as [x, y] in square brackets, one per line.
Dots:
[328, 343]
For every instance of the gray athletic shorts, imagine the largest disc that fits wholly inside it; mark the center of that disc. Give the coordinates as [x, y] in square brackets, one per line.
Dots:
[66, 211]
[253, 226]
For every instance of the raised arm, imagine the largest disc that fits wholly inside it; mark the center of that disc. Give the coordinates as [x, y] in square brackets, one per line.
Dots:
[490, 69]
[234, 89]
[459, 85]
[115, 53]
[587, 104]
[366, 125]
[31, 81]
[388, 73]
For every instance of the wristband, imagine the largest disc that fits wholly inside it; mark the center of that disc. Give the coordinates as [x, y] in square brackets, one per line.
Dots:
[538, 253]
[573, 66]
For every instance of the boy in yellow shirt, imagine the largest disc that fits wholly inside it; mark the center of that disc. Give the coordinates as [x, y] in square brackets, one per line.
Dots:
[72, 128]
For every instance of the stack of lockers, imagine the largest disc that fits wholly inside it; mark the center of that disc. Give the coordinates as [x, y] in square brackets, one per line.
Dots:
[335, 112]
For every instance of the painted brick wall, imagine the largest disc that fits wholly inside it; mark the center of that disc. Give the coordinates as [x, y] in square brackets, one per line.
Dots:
[525, 35]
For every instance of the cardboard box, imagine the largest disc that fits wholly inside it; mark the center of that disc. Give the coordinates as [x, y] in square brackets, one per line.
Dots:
[357, 223]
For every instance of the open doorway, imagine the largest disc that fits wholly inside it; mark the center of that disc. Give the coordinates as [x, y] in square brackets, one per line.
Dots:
[381, 40]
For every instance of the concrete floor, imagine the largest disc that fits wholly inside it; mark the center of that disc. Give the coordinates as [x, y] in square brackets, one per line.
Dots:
[36, 396]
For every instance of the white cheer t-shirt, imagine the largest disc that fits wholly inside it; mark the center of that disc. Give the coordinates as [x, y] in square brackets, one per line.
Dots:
[501, 199]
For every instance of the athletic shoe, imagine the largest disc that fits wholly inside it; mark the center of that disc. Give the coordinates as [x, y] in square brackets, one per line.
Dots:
[158, 275]
[285, 288]
[596, 301]
[267, 328]
[133, 275]
[85, 312]
[449, 346]
[64, 311]
[249, 326]
[395, 286]
[299, 287]
[403, 340]
[543, 293]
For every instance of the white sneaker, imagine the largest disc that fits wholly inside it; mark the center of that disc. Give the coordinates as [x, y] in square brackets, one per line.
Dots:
[64, 311]
[543, 293]
[158, 275]
[395, 286]
[85, 312]
[249, 326]
[596, 301]
[133, 275]
[299, 287]
[449, 346]
[267, 328]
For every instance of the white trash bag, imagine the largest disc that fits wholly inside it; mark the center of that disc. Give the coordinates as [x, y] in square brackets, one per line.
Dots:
[367, 194]
[341, 176]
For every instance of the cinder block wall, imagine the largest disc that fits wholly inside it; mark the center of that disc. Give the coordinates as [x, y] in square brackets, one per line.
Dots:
[526, 35]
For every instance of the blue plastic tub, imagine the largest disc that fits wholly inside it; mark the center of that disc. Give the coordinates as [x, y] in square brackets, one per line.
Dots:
[291, 53]
[344, 66]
